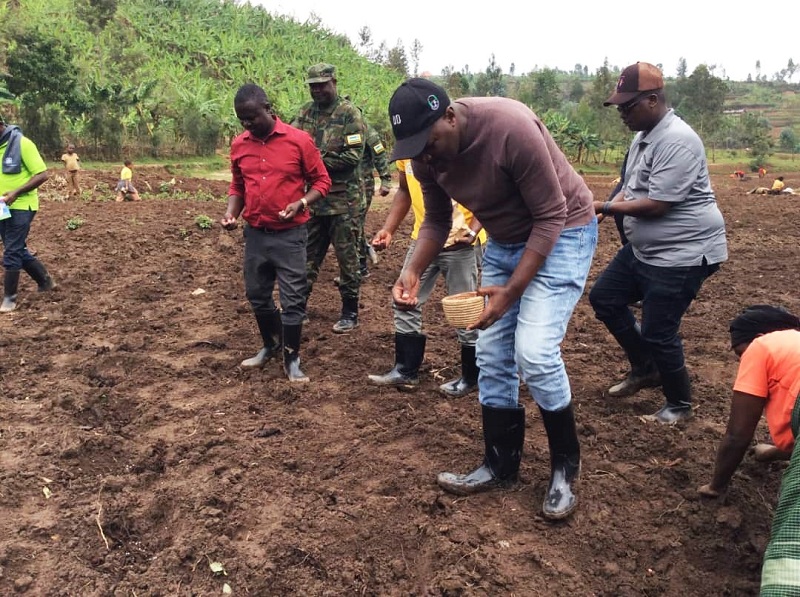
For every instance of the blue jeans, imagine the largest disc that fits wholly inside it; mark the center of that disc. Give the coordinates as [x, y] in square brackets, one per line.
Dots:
[665, 292]
[14, 233]
[526, 340]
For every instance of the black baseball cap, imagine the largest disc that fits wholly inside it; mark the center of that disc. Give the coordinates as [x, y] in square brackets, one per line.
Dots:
[414, 108]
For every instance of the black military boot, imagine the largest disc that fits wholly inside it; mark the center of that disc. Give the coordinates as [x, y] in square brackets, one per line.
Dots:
[10, 285]
[349, 318]
[677, 390]
[565, 462]
[409, 349]
[468, 382]
[36, 270]
[503, 436]
[270, 327]
[291, 353]
[644, 373]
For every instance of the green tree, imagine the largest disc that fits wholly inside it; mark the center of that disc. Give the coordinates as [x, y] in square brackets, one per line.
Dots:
[701, 99]
[682, 69]
[491, 83]
[416, 52]
[41, 74]
[454, 82]
[397, 60]
[788, 141]
[753, 133]
[545, 92]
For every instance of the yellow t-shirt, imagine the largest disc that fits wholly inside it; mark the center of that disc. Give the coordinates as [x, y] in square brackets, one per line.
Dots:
[71, 161]
[462, 217]
[778, 185]
[126, 173]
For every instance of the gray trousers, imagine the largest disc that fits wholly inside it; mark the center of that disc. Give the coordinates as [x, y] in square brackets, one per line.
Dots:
[281, 256]
[460, 270]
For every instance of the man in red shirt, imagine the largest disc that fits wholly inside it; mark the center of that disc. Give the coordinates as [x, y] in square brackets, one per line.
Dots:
[277, 173]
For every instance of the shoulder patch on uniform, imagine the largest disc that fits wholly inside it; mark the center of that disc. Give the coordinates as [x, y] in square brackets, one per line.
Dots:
[355, 139]
[378, 147]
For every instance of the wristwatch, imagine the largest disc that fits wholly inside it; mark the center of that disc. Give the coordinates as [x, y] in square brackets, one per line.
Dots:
[472, 234]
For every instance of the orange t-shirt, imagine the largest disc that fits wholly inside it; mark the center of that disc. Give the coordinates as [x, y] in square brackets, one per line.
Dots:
[770, 369]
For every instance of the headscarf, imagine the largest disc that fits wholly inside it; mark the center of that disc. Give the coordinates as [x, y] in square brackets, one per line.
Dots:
[12, 158]
[757, 320]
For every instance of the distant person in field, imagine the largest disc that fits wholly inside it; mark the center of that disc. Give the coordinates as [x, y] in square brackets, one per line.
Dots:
[72, 165]
[762, 172]
[496, 157]
[457, 262]
[777, 186]
[339, 130]
[23, 172]
[676, 237]
[767, 341]
[125, 185]
[277, 174]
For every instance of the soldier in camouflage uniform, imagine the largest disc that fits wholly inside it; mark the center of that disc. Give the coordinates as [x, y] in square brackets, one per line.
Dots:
[338, 129]
[375, 159]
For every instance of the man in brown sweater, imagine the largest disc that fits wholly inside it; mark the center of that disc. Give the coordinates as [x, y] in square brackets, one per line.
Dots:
[497, 157]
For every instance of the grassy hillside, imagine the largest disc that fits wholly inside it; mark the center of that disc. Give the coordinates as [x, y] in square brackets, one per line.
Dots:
[167, 70]
[779, 103]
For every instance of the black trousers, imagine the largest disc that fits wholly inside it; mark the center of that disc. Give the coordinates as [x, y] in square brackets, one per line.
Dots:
[276, 255]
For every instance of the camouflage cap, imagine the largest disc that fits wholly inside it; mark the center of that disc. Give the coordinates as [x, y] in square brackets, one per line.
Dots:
[321, 73]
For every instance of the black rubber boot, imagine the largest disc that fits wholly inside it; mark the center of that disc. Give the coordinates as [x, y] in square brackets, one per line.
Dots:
[349, 318]
[565, 462]
[503, 436]
[644, 373]
[677, 390]
[409, 350]
[36, 270]
[10, 285]
[468, 382]
[270, 327]
[291, 353]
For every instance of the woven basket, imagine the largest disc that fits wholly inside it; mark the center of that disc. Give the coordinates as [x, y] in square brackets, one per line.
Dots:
[463, 309]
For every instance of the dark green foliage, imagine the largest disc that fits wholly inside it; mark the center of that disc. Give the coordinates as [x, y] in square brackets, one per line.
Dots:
[40, 66]
[96, 13]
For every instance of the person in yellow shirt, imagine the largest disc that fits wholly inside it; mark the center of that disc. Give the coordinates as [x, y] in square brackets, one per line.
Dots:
[458, 262]
[72, 164]
[777, 186]
[125, 184]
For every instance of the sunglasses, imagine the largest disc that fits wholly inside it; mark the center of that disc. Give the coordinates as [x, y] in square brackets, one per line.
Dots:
[631, 104]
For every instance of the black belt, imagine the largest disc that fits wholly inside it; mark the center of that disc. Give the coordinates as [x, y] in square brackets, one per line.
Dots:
[269, 230]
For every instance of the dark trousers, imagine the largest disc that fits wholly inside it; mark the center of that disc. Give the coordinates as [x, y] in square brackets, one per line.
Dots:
[665, 292]
[281, 256]
[340, 231]
[14, 233]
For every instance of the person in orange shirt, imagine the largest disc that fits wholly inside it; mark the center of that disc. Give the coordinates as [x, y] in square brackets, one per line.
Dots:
[767, 340]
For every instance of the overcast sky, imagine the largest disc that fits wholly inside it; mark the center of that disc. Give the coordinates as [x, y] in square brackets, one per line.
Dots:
[560, 34]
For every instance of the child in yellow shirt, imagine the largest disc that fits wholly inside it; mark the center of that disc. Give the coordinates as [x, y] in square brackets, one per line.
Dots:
[125, 184]
[72, 165]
